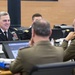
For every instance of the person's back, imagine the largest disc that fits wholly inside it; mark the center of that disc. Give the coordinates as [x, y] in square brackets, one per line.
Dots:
[40, 52]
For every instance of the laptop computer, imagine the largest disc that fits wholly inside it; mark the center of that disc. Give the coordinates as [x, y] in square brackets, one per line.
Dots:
[11, 48]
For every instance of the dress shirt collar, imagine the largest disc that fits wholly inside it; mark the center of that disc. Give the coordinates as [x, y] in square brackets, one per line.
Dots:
[3, 30]
[42, 42]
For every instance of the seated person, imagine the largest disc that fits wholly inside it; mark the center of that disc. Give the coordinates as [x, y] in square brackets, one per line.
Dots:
[40, 51]
[5, 30]
[27, 35]
[69, 50]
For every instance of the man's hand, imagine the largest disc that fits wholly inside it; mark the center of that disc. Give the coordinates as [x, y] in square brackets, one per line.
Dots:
[31, 42]
[70, 36]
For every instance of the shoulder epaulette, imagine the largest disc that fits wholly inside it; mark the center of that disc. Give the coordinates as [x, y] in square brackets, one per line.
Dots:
[24, 47]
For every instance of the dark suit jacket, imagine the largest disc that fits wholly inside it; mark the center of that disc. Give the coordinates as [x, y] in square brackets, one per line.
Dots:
[41, 53]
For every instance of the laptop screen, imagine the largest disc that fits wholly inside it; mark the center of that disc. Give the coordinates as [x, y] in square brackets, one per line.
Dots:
[11, 48]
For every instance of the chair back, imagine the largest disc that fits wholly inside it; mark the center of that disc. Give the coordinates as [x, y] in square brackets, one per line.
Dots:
[61, 68]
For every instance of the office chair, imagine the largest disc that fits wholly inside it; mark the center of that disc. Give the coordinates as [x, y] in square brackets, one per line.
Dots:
[56, 34]
[62, 68]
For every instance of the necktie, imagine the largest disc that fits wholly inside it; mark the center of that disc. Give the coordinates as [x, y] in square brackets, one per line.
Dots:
[5, 35]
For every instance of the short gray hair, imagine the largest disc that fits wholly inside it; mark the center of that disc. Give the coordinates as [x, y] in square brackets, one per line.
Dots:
[3, 13]
[41, 28]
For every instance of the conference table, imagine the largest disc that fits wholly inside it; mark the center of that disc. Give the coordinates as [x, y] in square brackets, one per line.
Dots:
[5, 72]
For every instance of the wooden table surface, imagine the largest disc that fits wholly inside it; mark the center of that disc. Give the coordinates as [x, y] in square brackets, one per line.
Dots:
[5, 72]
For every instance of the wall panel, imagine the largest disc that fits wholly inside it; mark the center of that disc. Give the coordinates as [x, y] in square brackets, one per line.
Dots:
[59, 12]
[3, 5]
[55, 12]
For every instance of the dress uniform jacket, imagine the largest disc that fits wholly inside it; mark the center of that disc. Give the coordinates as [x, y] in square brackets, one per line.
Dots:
[10, 35]
[41, 53]
[69, 50]
[3, 38]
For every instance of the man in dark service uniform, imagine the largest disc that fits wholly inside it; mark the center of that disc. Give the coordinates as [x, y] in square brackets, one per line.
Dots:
[40, 52]
[6, 33]
[27, 35]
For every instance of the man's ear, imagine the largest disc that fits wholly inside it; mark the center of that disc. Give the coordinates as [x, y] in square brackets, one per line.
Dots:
[33, 33]
[50, 32]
